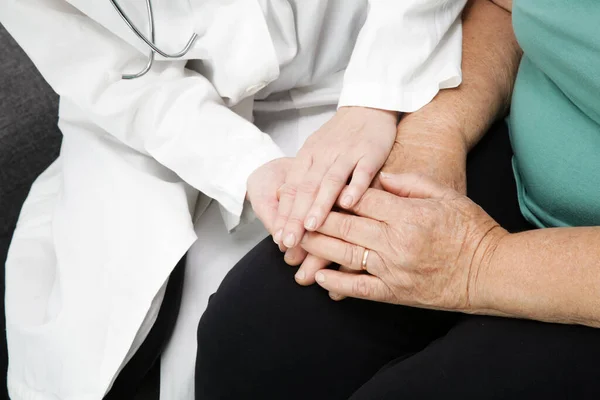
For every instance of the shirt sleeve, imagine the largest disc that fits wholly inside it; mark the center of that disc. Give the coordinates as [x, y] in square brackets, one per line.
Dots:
[172, 114]
[405, 53]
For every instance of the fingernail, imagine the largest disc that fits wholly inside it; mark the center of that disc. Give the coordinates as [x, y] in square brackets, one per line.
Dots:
[347, 201]
[290, 240]
[277, 237]
[320, 277]
[311, 224]
[300, 275]
[385, 175]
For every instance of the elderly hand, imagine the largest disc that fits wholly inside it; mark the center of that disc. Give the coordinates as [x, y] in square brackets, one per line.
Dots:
[426, 243]
[355, 142]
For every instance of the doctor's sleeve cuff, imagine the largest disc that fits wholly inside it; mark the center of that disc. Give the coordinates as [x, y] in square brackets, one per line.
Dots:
[407, 98]
[235, 209]
[405, 53]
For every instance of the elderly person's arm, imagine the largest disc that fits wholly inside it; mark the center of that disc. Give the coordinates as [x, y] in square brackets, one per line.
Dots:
[434, 141]
[547, 274]
[550, 274]
[431, 247]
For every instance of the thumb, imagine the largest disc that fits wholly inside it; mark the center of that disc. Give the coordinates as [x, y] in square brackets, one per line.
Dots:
[413, 186]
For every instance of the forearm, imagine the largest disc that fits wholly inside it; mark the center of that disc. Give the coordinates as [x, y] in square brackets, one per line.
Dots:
[489, 66]
[548, 275]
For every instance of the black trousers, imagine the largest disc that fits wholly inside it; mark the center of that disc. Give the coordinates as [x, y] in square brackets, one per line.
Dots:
[265, 337]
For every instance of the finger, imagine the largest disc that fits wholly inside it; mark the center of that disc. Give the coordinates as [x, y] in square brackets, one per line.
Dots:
[376, 184]
[331, 186]
[340, 252]
[360, 286]
[337, 296]
[363, 175]
[295, 256]
[362, 231]
[306, 192]
[413, 185]
[287, 194]
[311, 265]
[266, 211]
[377, 204]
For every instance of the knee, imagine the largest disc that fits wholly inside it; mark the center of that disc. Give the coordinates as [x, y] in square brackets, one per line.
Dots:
[243, 319]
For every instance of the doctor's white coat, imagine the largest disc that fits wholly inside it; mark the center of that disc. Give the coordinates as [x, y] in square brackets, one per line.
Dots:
[141, 160]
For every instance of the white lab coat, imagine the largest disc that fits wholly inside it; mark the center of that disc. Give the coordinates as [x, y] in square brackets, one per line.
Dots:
[141, 160]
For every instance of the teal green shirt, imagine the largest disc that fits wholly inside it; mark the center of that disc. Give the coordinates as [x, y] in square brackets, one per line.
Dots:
[555, 114]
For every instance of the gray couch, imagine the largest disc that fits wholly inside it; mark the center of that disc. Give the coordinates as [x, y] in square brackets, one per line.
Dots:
[29, 142]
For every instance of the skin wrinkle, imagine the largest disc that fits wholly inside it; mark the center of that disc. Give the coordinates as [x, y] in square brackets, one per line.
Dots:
[476, 265]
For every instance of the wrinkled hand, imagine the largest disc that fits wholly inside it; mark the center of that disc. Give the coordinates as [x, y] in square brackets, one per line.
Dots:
[439, 153]
[355, 142]
[426, 244]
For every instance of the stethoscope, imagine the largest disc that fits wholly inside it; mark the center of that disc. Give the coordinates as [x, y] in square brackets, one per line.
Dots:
[150, 42]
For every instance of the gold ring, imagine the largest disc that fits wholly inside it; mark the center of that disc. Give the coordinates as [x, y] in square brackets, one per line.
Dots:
[363, 264]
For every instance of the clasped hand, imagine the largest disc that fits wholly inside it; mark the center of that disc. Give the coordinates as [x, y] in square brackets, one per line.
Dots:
[291, 196]
[426, 240]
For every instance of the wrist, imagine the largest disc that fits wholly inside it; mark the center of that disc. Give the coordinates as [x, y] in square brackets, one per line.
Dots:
[436, 128]
[438, 152]
[481, 281]
[368, 112]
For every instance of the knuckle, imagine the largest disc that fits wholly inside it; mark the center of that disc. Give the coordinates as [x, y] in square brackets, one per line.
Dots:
[345, 228]
[306, 156]
[281, 220]
[334, 179]
[308, 187]
[368, 170]
[294, 221]
[361, 287]
[288, 190]
[348, 255]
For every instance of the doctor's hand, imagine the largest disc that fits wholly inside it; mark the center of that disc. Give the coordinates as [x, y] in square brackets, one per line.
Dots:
[262, 189]
[354, 143]
[421, 244]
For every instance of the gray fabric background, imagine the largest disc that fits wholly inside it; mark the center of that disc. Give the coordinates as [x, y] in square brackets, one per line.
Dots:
[29, 142]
